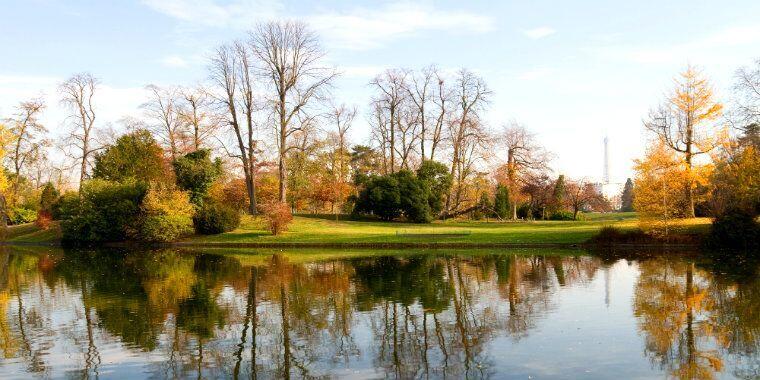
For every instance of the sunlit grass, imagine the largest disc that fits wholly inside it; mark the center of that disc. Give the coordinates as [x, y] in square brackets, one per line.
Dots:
[326, 230]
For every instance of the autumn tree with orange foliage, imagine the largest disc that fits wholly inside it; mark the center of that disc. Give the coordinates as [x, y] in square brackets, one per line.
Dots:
[684, 123]
[658, 195]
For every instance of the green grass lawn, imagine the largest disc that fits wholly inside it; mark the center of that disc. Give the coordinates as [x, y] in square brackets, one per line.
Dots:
[324, 229]
[30, 233]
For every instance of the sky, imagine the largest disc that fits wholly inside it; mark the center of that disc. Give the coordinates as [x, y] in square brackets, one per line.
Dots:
[571, 72]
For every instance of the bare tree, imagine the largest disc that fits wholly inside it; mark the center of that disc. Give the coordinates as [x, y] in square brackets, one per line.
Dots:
[420, 92]
[196, 114]
[525, 158]
[231, 72]
[393, 92]
[77, 94]
[164, 119]
[342, 118]
[289, 56]
[683, 122]
[442, 101]
[747, 95]
[472, 96]
[27, 142]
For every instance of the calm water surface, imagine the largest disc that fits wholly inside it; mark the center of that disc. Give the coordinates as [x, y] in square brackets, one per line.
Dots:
[505, 314]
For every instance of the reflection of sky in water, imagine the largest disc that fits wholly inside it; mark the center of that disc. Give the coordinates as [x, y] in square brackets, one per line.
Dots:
[509, 316]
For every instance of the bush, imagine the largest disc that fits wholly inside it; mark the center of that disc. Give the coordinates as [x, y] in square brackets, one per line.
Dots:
[380, 197]
[735, 228]
[21, 215]
[562, 215]
[65, 206]
[417, 198]
[166, 215]
[215, 218]
[613, 235]
[105, 211]
[277, 217]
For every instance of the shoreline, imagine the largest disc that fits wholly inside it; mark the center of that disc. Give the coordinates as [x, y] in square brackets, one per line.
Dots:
[370, 245]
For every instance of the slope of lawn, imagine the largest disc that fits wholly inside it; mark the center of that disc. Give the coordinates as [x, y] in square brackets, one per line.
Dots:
[30, 233]
[324, 229]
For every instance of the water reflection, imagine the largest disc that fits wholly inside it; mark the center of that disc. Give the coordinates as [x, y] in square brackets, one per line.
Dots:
[182, 314]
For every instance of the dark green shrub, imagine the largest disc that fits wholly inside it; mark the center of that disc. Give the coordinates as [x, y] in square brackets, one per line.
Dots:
[215, 218]
[415, 197]
[196, 172]
[65, 206]
[401, 194]
[438, 180]
[106, 211]
[562, 215]
[735, 228]
[501, 202]
[380, 197]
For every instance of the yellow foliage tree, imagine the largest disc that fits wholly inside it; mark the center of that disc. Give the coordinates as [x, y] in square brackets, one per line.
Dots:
[684, 123]
[5, 138]
[658, 195]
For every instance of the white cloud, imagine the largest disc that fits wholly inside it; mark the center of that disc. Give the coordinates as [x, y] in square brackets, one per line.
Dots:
[702, 50]
[236, 13]
[174, 61]
[357, 29]
[364, 28]
[540, 32]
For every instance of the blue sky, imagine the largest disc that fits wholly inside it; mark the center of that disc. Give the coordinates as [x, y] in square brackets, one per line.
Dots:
[570, 71]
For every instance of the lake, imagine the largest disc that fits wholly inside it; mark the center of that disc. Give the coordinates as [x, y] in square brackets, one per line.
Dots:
[523, 314]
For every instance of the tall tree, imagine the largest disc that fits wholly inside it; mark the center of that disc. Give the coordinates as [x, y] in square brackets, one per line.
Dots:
[342, 117]
[393, 92]
[420, 92]
[443, 104]
[659, 177]
[626, 198]
[466, 132]
[684, 123]
[77, 95]
[27, 134]
[747, 95]
[195, 113]
[231, 71]
[289, 55]
[164, 118]
[525, 158]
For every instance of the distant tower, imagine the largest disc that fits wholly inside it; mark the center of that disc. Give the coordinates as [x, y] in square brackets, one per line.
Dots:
[606, 162]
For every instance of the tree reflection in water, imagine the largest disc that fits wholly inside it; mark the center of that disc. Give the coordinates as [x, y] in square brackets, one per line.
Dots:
[180, 314]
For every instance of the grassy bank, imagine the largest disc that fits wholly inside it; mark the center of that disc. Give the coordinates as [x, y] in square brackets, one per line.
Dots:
[316, 229]
[325, 230]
